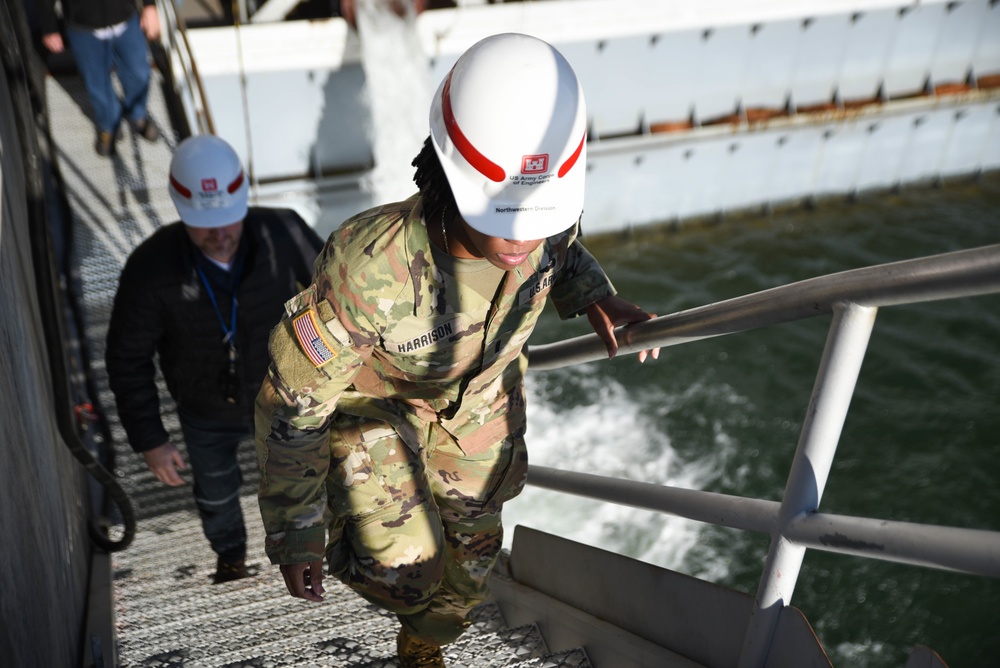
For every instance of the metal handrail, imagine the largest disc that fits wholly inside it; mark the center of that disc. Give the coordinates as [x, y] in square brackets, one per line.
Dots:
[853, 299]
[965, 273]
[971, 551]
[173, 37]
[189, 87]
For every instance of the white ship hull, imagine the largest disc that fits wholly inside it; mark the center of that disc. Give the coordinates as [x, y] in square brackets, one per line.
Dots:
[696, 109]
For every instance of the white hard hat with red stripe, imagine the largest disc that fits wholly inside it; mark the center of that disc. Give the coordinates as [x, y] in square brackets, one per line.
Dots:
[509, 125]
[207, 183]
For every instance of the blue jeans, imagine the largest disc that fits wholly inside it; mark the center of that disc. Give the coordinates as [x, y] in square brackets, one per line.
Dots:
[128, 54]
[211, 449]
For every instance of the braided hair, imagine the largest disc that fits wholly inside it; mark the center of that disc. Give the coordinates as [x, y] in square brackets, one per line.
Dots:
[433, 184]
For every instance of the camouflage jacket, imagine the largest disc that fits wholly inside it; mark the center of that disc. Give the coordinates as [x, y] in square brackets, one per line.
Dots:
[380, 334]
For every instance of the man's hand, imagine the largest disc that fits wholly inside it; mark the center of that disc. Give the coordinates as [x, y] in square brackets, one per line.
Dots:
[349, 12]
[163, 461]
[150, 22]
[53, 41]
[304, 580]
[611, 312]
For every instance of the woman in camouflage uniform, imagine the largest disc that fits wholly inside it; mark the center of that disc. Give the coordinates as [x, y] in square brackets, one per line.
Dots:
[393, 416]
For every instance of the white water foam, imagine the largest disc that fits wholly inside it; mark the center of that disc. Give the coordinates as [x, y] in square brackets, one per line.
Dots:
[855, 653]
[614, 436]
[398, 93]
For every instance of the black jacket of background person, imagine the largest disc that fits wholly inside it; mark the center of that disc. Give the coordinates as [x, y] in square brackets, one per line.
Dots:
[87, 14]
[162, 307]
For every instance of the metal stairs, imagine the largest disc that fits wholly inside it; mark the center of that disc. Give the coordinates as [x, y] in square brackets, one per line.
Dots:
[169, 614]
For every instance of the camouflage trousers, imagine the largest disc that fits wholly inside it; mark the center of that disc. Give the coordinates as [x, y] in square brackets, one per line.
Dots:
[418, 533]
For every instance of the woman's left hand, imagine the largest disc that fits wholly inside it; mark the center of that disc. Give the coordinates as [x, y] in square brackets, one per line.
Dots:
[610, 312]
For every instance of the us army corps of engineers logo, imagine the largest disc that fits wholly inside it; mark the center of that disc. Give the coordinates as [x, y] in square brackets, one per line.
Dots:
[534, 171]
[535, 164]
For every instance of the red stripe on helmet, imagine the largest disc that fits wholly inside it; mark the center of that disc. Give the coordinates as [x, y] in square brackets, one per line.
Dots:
[480, 162]
[571, 160]
[235, 185]
[179, 188]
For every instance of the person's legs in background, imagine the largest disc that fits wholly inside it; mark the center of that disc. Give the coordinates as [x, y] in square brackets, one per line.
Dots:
[131, 61]
[211, 449]
[93, 61]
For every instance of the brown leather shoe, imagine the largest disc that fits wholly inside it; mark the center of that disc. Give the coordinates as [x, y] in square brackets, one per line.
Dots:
[146, 130]
[415, 653]
[105, 145]
[226, 571]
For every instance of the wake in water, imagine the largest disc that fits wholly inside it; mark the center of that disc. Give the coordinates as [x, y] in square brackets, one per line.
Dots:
[398, 93]
[613, 435]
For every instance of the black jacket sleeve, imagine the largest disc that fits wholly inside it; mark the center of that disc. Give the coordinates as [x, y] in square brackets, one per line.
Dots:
[135, 328]
[308, 245]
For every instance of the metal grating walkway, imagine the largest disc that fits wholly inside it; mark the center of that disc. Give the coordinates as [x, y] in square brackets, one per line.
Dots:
[166, 611]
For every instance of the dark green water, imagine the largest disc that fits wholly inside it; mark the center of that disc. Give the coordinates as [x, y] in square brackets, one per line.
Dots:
[921, 442]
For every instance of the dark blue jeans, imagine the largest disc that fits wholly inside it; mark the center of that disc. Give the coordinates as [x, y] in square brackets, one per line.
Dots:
[129, 56]
[211, 449]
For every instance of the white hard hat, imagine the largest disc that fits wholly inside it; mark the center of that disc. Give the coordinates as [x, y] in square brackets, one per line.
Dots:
[509, 125]
[207, 183]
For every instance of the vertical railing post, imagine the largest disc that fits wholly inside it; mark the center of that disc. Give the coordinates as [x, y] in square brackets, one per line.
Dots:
[845, 349]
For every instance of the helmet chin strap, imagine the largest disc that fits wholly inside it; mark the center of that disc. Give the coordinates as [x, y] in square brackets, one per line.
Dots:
[444, 230]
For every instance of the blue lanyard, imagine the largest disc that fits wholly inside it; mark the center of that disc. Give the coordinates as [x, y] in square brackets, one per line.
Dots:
[230, 332]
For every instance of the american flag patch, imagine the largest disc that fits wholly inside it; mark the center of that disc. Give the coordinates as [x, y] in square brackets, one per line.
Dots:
[310, 340]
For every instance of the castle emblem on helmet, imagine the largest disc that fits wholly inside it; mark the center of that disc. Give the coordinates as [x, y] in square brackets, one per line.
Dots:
[535, 164]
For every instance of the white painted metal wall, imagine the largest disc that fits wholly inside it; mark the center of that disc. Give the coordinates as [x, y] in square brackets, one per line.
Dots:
[645, 62]
[715, 170]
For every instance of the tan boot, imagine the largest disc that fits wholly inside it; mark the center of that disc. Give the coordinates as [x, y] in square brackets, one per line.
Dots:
[105, 144]
[415, 653]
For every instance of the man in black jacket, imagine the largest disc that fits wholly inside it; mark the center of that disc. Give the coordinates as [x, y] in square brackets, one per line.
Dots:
[204, 294]
[106, 35]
